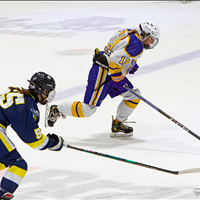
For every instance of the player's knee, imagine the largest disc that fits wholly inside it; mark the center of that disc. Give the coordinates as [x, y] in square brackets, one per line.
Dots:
[17, 168]
[14, 158]
[21, 165]
[88, 110]
[137, 91]
[130, 96]
[14, 175]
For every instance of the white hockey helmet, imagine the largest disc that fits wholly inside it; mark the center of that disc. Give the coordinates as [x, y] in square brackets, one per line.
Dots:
[148, 28]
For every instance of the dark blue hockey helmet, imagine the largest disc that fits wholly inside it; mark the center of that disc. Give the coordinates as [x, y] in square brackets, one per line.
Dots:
[42, 83]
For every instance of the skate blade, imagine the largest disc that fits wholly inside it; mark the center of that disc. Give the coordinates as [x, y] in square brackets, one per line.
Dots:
[47, 110]
[116, 135]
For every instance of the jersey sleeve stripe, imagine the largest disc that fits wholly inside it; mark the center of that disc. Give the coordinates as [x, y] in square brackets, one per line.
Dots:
[6, 141]
[41, 143]
[110, 46]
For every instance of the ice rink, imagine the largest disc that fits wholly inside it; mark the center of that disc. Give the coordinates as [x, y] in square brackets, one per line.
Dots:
[59, 38]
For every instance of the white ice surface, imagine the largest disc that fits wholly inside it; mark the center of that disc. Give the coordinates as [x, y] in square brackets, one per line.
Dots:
[59, 38]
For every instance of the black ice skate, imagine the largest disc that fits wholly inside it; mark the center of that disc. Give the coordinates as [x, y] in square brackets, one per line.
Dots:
[52, 114]
[7, 196]
[121, 127]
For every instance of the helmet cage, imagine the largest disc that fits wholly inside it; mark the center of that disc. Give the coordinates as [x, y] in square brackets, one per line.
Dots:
[147, 34]
[51, 95]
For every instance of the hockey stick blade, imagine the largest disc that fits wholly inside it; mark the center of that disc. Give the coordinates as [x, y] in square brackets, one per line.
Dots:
[47, 110]
[187, 171]
[163, 113]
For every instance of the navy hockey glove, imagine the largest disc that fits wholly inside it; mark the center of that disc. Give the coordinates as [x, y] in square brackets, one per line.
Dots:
[118, 81]
[100, 59]
[134, 69]
[58, 142]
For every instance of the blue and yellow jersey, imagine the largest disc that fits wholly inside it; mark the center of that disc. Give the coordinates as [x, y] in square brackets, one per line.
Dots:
[20, 111]
[124, 51]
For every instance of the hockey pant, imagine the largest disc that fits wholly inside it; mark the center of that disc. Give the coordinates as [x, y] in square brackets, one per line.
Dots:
[15, 164]
[80, 109]
[96, 92]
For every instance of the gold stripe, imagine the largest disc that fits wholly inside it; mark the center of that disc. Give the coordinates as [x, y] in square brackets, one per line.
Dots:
[73, 109]
[38, 142]
[5, 142]
[115, 68]
[121, 32]
[80, 110]
[32, 96]
[2, 166]
[2, 126]
[97, 85]
[77, 110]
[137, 36]
[17, 171]
[118, 40]
[132, 103]
[99, 91]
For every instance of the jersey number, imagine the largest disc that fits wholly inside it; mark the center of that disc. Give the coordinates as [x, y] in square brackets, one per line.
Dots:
[38, 133]
[124, 60]
[9, 98]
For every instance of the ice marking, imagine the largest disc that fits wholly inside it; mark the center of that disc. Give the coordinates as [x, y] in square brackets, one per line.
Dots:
[143, 70]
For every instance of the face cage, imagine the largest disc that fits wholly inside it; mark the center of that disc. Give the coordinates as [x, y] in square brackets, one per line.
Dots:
[151, 46]
[51, 96]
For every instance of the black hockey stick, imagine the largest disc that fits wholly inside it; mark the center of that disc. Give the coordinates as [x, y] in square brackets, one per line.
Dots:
[187, 171]
[163, 113]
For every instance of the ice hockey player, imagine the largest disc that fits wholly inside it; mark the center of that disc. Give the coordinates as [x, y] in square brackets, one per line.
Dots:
[18, 109]
[108, 76]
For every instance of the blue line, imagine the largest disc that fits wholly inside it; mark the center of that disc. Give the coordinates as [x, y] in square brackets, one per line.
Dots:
[144, 70]
[168, 63]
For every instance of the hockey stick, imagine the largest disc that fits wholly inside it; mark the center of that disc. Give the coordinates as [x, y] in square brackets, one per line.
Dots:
[163, 113]
[187, 171]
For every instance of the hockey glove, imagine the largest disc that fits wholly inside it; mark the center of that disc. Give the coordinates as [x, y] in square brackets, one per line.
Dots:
[58, 142]
[100, 59]
[134, 69]
[118, 81]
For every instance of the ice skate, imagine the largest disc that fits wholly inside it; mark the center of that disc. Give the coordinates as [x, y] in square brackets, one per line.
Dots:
[52, 114]
[7, 196]
[126, 130]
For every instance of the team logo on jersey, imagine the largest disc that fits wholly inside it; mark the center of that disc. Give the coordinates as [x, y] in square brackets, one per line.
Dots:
[34, 117]
[36, 114]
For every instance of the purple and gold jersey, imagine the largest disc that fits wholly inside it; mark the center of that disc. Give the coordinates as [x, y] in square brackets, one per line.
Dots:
[123, 51]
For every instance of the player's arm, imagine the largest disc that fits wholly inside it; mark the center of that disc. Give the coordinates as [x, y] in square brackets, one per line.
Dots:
[30, 133]
[39, 141]
[101, 59]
